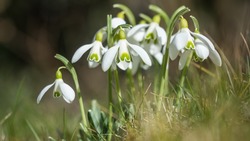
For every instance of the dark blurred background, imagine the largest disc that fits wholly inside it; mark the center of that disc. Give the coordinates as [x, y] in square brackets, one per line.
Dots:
[33, 31]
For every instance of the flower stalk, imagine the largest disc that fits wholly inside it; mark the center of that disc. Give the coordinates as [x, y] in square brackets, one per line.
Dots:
[71, 69]
[110, 44]
[165, 63]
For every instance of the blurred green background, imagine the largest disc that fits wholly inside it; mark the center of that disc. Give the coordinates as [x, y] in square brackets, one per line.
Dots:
[33, 31]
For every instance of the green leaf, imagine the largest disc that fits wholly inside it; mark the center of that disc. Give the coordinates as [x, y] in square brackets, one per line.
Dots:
[160, 12]
[146, 18]
[196, 23]
[179, 12]
[120, 27]
[127, 11]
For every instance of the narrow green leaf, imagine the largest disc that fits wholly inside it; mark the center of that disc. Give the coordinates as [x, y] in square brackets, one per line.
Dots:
[179, 12]
[33, 130]
[145, 17]
[158, 10]
[127, 11]
[196, 24]
[119, 27]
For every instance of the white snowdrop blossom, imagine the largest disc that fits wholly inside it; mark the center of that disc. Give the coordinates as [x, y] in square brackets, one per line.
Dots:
[185, 41]
[115, 22]
[119, 20]
[151, 37]
[122, 53]
[95, 54]
[151, 31]
[60, 89]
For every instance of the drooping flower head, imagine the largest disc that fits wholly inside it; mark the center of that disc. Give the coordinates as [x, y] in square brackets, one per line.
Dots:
[150, 36]
[60, 89]
[118, 20]
[185, 42]
[95, 54]
[121, 54]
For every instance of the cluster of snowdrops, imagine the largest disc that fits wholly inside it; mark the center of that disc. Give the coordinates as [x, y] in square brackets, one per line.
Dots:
[126, 45]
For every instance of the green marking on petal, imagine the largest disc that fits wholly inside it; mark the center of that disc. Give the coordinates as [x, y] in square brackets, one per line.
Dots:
[125, 57]
[94, 57]
[56, 94]
[196, 58]
[190, 45]
[156, 41]
[150, 36]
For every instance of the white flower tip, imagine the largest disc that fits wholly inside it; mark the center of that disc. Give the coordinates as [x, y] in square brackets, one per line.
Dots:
[109, 57]
[44, 90]
[38, 101]
[67, 92]
[74, 59]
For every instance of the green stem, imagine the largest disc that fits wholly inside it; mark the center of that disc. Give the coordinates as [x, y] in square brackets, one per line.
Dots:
[131, 85]
[165, 63]
[140, 81]
[110, 123]
[182, 80]
[72, 70]
[119, 94]
[110, 43]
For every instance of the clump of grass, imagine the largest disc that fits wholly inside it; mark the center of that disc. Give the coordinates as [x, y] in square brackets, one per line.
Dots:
[215, 107]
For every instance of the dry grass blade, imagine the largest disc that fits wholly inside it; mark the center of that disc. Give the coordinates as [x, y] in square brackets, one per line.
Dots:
[5, 118]
[245, 42]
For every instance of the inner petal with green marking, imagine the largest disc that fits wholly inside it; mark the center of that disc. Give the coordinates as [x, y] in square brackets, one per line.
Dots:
[150, 36]
[94, 57]
[125, 57]
[56, 94]
[190, 45]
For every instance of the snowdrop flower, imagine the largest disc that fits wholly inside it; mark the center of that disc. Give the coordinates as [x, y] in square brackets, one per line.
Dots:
[150, 36]
[60, 89]
[152, 31]
[121, 54]
[204, 48]
[185, 41]
[95, 54]
[119, 20]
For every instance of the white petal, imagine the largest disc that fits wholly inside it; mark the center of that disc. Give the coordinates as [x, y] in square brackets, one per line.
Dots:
[67, 92]
[108, 57]
[183, 59]
[152, 48]
[180, 40]
[213, 54]
[136, 29]
[159, 57]
[93, 64]
[44, 90]
[151, 30]
[137, 37]
[142, 53]
[161, 33]
[96, 49]
[136, 63]
[173, 52]
[57, 83]
[201, 50]
[123, 48]
[80, 51]
[215, 57]
[123, 65]
[204, 39]
[117, 21]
